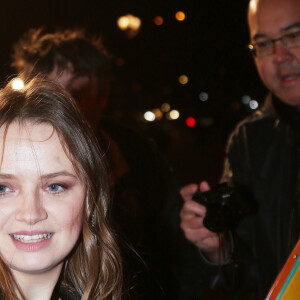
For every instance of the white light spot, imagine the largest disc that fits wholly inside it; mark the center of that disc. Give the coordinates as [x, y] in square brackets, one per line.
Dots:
[129, 22]
[17, 83]
[174, 114]
[253, 104]
[149, 116]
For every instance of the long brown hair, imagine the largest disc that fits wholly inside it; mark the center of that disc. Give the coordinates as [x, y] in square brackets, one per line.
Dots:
[94, 267]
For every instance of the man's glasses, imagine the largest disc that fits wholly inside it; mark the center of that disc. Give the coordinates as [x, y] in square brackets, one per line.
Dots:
[267, 47]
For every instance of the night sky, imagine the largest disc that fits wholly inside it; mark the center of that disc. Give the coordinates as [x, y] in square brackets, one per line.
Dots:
[209, 46]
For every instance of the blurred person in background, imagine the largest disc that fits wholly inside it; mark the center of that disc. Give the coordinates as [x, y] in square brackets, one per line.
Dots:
[144, 190]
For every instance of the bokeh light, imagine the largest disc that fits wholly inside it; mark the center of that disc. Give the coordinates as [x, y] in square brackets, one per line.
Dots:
[157, 113]
[183, 79]
[123, 22]
[180, 16]
[190, 121]
[158, 20]
[149, 116]
[253, 104]
[203, 96]
[174, 114]
[246, 99]
[165, 107]
[17, 83]
[130, 24]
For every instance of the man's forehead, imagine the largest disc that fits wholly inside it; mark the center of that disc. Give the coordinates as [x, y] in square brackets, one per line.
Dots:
[271, 17]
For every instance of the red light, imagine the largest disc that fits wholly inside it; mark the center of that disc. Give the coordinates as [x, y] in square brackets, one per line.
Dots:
[190, 122]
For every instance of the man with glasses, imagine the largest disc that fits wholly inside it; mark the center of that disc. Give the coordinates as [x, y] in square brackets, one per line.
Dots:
[263, 156]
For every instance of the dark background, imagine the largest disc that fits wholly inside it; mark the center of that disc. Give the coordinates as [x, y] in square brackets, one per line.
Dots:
[209, 46]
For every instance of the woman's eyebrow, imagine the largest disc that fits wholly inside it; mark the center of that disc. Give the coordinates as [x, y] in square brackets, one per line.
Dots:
[7, 176]
[44, 176]
[57, 174]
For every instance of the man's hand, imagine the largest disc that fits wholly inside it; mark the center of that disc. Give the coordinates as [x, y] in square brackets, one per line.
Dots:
[192, 215]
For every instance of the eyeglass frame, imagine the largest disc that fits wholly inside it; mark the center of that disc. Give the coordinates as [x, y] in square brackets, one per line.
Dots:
[251, 46]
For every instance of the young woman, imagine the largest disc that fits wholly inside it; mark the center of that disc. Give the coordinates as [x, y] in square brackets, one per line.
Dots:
[55, 242]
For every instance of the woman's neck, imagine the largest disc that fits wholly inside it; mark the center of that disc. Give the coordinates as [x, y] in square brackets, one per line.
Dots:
[38, 286]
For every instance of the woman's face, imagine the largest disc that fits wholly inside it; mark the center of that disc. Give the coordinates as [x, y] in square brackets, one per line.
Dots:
[41, 199]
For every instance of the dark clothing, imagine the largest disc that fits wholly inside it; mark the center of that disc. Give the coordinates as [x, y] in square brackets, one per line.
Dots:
[144, 210]
[60, 292]
[65, 293]
[263, 155]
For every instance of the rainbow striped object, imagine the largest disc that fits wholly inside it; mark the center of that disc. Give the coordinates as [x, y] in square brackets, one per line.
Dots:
[287, 284]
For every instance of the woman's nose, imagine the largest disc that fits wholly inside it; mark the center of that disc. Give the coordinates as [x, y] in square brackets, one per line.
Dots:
[31, 210]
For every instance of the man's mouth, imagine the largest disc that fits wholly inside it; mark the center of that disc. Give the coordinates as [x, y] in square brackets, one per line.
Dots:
[289, 77]
[35, 238]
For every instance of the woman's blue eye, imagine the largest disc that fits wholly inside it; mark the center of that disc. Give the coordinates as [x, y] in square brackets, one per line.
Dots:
[3, 189]
[55, 187]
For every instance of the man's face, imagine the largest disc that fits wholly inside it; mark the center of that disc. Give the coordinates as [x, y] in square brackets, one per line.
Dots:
[280, 72]
[84, 89]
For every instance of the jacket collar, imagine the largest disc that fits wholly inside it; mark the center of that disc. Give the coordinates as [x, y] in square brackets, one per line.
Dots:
[279, 110]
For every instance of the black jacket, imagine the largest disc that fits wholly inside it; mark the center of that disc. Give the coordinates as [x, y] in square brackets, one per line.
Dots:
[263, 155]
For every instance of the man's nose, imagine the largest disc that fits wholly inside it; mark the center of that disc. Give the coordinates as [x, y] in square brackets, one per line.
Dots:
[281, 52]
[31, 209]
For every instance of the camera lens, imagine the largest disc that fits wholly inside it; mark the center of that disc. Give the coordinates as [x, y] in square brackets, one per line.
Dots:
[219, 217]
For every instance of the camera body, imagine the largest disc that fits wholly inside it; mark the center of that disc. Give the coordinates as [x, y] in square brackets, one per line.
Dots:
[225, 206]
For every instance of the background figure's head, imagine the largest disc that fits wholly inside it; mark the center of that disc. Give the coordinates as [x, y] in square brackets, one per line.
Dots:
[275, 35]
[73, 58]
[93, 268]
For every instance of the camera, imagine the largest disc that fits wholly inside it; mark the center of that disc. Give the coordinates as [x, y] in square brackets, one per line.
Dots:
[225, 206]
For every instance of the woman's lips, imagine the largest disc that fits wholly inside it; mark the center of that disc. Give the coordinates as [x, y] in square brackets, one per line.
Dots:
[31, 241]
[32, 238]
